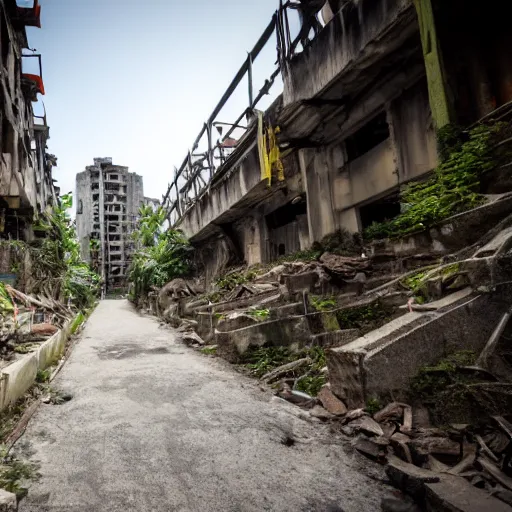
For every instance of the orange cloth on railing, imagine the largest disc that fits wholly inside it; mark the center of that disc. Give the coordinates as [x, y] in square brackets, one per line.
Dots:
[38, 80]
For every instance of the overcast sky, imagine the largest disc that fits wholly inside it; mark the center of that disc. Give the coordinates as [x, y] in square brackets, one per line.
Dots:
[135, 80]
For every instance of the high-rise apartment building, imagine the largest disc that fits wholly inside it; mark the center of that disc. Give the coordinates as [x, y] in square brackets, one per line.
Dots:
[108, 198]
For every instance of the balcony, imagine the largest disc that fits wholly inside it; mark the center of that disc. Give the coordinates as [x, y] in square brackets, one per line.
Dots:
[29, 16]
[32, 76]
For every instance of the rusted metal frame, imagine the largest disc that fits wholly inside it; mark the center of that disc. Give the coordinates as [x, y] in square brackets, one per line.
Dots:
[190, 168]
[288, 38]
[211, 149]
[249, 79]
[38, 56]
[260, 44]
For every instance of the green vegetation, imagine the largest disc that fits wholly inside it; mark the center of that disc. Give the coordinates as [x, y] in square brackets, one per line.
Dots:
[260, 314]
[57, 267]
[43, 376]
[373, 405]
[162, 255]
[372, 314]
[77, 322]
[306, 255]
[343, 243]
[265, 359]
[231, 280]
[447, 390]
[6, 305]
[322, 303]
[417, 283]
[209, 351]
[14, 471]
[455, 186]
[311, 384]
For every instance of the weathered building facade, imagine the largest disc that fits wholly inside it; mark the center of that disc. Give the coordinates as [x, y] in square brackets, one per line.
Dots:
[108, 199]
[26, 185]
[356, 120]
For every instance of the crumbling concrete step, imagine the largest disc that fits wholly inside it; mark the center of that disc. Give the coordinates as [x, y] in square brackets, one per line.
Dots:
[361, 369]
[452, 234]
[335, 339]
[235, 320]
[244, 302]
[455, 494]
[294, 309]
[500, 243]
[232, 320]
[291, 332]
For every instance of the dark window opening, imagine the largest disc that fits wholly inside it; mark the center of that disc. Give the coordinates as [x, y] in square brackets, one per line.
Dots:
[380, 211]
[95, 197]
[366, 138]
[281, 250]
[80, 207]
[286, 214]
[95, 186]
[114, 176]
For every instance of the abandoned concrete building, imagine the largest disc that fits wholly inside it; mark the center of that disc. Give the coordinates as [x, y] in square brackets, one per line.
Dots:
[364, 100]
[26, 184]
[108, 199]
[357, 120]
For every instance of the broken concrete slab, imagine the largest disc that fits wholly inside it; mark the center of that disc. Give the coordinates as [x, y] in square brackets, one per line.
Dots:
[292, 332]
[360, 370]
[285, 369]
[367, 426]
[501, 242]
[235, 320]
[8, 501]
[455, 494]
[408, 478]
[329, 400]
[322, 414]
[335, 338]
[400, 443]
[398, 504]
[452, 234]
[368, 448]
[443, 447]
[393, 411]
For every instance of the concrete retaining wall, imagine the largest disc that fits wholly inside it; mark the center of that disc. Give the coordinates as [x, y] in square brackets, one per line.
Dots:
[17, 378]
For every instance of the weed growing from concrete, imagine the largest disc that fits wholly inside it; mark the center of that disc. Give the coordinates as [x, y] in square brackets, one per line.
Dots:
[265, 359]
[13, 472]
[209, 351]
[259, 314]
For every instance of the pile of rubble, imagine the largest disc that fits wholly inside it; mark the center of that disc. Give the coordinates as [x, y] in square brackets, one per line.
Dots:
[459, 467]
[26, 321]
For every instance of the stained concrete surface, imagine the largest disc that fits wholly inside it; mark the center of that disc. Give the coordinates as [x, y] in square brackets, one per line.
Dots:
[156, 426]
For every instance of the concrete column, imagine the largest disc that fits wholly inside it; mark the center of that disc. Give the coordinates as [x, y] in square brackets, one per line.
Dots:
[441, 108]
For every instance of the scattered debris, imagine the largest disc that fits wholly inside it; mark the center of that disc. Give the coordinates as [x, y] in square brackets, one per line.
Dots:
[319, 412]
[285, 369]
[331, 402]
[371, 449]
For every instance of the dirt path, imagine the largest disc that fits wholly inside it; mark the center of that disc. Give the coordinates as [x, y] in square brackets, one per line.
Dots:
[155, 426]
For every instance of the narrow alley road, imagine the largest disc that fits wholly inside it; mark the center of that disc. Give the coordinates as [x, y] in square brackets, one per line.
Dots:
[155, 426]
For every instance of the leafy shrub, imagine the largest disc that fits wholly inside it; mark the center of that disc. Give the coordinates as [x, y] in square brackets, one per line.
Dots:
[343, 243]
[162, 255]
[57, 266]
